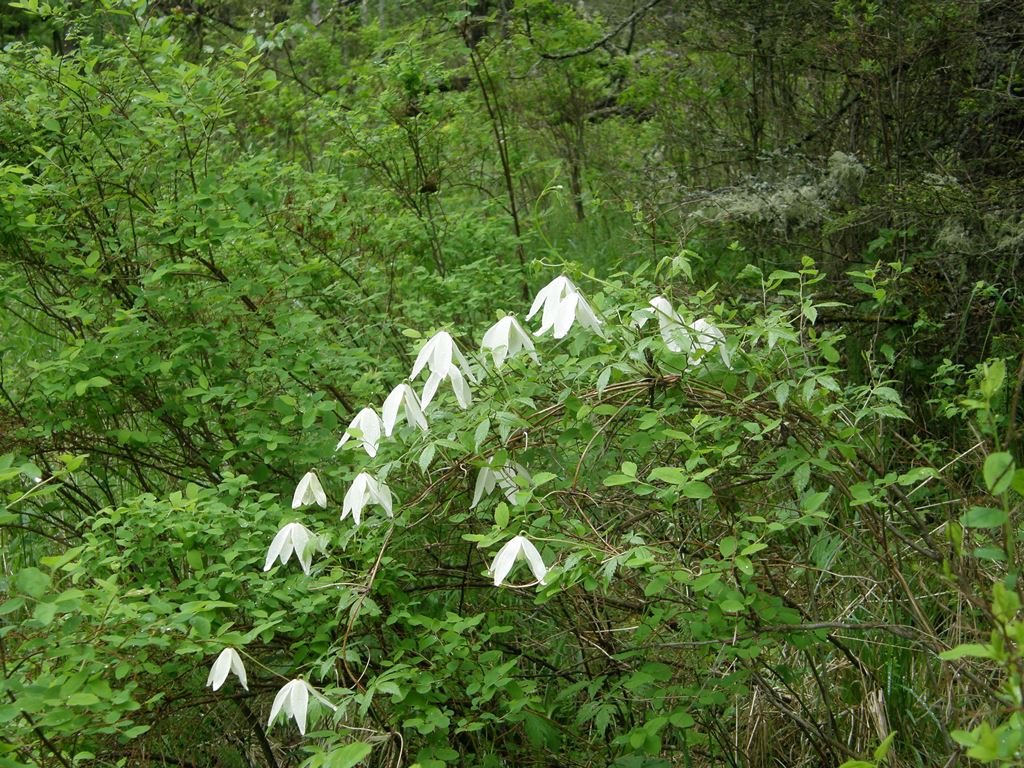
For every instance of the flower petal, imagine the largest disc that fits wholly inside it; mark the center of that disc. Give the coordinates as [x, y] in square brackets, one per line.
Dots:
[277, 547]
[300, 540]
[279, 702]
[301, 491]
[389, 411]
[382, 495]
[505, 559]
[423, 357]
[484, 478]
[238, 668]
[299, 699]
[321, 698]
[534, 559]
[441, 357]
[585, 314]
[565, 315]
[413, 410]
[460, 387]
[430, 388]
[219, 670]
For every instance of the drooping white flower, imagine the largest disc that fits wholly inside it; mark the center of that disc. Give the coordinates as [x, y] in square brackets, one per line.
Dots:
[518, 547]
[294, 537]
[369, 426]
[309, 491]
[489, 478]
[706, 336]
[228, 661]
[673, 331]
[402, 398]
[696, 340]
[505, 339]
[293, 700]
[445, 361]
[563, 304]
[366, 489]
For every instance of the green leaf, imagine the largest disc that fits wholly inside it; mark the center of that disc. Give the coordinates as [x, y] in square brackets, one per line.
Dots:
[999, 470]
[670, 475]
[883, 749]
[426, 457]
[697, 490]
[501, 515]
[983, 517]
[347, 756]
[32, 582]
[993, 379]
[543, 477]
[974, 650]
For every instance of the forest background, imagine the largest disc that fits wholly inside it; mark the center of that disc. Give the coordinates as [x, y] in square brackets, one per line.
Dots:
[227, 227]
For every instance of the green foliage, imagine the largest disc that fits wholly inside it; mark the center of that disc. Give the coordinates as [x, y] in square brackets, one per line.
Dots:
[226, 230]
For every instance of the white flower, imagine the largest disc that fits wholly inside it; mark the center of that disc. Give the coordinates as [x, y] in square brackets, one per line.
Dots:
[696, 340]
[228, 661]
[706, 336]
[563, 305]
[405, 398]
[506, 338]
[369, 425]
[366, 489]
[293, 699]
[308, 491]
[505, 477]
[518, 547]
[673, 332]
[445, 361]
[296, 538]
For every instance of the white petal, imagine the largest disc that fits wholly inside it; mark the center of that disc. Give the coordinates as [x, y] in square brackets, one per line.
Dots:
[539, 300]
[309, 491]
[344, 439]
[565, 315]
[299, 700]
[460, 387]
[430, 388]
[551, 308]
[423, 357]
[441, 358]
[371, 427]
[389, 411]
[219, 670]
[463, 364]
[505, 559]
[506, 477]
[277, 547]
[534, 559]
[279, 702]
[586, 316]
[523, 338]
[382, 495]
[484, 485]
[321, 698]
[663, 311]
[302, 491]
[355, 498]
[238, 668]
[300, 539]
[497, 340]
[413, 409]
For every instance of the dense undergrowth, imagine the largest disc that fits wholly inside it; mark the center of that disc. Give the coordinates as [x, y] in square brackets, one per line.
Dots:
[780, 515]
